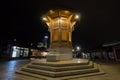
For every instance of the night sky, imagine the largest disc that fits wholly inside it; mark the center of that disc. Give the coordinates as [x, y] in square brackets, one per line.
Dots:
[21, 19]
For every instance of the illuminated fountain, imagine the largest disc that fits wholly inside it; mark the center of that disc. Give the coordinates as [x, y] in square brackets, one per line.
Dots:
[60, 64]
[60, 25]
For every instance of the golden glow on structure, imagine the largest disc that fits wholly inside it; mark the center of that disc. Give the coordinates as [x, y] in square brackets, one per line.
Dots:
[61, 24]
[51, 11]
[55, 35]
[64, 35]
[44, 18]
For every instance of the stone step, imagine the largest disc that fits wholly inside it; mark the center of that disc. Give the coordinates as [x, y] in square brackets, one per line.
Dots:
[65, 68]
[33, 75]
[60, 74]
[74, 77]
[60, 65]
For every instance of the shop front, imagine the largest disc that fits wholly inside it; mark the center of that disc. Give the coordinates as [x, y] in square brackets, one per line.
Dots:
[17, 52]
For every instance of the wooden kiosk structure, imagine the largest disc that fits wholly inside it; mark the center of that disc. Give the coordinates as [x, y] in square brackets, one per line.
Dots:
[60, 25]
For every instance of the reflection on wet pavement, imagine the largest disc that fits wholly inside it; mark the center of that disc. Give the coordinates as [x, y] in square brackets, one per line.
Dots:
[8, 68]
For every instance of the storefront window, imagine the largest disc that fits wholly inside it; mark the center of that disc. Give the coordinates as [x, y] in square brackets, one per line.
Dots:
[19, 52]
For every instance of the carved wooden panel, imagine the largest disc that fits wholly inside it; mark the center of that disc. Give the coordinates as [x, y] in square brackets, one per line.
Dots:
[55, 35]
[64, 35]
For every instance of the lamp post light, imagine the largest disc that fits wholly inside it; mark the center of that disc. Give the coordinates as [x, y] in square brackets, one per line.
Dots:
[45, 37]
[73, 51]
[78, 48]
[78, 51]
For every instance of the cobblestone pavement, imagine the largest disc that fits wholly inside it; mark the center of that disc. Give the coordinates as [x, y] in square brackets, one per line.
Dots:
[8, 68]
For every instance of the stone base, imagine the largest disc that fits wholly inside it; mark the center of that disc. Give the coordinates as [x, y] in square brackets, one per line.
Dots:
[59, 54]
[53, 57]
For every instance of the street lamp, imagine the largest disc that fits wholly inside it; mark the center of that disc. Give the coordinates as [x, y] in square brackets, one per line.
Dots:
[78, 48]
[46, 37]
[78, 51]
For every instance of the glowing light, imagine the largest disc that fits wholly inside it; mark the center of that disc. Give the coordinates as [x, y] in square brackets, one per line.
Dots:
[44, 53]
[77, 16]
[78, 48]
[73, 50]
[48, 24]
[14, 54]
[44, 18]
[46, 37]
[78, 61]
[51, 11]
[60, 20]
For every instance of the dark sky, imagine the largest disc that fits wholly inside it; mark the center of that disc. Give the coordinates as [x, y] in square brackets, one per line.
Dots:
[21, 19]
